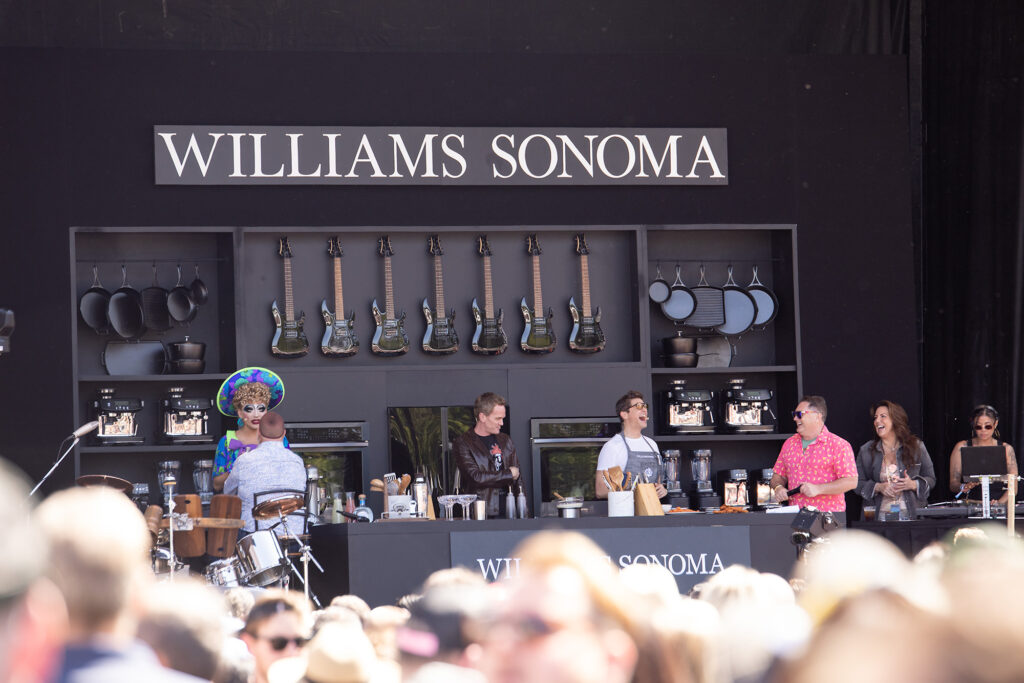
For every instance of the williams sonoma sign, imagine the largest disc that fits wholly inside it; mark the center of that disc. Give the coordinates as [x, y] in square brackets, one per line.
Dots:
[311, 155]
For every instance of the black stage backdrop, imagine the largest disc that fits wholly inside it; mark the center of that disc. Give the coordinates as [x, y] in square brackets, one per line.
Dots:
[83, 84]
[973, 239]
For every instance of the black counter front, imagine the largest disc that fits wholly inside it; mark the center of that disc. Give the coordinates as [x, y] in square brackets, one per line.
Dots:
[382, 561]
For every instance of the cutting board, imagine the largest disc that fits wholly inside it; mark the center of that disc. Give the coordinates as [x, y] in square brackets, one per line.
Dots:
[221, 542]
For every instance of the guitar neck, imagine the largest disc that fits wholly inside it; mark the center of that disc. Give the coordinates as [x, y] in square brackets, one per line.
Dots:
[389, 292]
[289, 303]
[538, 299]
[339, 299]
[585, 285]
[488, 289]
[438, 286]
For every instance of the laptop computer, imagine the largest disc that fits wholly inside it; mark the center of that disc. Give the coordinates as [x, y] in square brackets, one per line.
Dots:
[980, 460]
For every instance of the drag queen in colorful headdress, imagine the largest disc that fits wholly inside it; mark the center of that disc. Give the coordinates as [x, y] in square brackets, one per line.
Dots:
[247, 394]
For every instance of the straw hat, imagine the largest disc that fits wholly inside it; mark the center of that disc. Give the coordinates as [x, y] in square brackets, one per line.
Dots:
[338, 653]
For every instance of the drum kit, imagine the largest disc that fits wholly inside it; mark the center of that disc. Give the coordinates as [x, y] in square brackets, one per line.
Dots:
[254, 561]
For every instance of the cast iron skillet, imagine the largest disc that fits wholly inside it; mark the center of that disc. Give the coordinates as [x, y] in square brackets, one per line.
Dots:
[767, 302]
[179, 302]
[154, 306]
[200, 293]
[125, 310]
[93, 305]
[658, 289]
[681, 301]
[740, 309]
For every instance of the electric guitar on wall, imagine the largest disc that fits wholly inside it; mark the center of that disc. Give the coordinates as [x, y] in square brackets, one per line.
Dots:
[441, 337]
[586, 336]
[289, 339]
[489, 338]
[390, 338]
[538, 336]
[339, 334]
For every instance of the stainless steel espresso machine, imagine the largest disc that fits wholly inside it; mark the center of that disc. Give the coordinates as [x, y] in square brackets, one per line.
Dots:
[688, 411]
[186, 420]
[747, 410]
[117, 417]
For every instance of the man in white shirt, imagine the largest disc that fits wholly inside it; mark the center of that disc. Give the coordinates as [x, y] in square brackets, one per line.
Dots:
[268, 467]
[630, 449]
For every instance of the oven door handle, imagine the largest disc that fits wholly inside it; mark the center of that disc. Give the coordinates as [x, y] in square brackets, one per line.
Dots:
[568, 441]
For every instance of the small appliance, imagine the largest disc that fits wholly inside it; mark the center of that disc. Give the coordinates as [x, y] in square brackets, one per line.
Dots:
[747, 410]
[117, 418]
[703, 497]
[688, 411]
[202, 479]
[185, 419]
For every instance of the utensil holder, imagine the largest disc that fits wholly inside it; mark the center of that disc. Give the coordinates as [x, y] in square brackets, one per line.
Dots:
[620, 503]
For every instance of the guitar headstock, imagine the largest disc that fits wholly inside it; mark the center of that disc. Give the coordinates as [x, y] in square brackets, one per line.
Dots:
[532, 245]
[284, 249]
[334, 247]
[581, 244]
[435, 246]
[482, 246]
[384, 246]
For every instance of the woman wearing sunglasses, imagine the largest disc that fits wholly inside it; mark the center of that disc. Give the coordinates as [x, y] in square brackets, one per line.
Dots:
[894, 468]
[985, 430]
[247, 394]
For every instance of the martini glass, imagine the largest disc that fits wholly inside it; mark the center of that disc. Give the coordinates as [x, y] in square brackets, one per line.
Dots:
[464, 501]
[449, 505]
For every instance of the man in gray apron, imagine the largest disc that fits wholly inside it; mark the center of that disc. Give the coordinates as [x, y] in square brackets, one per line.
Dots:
[630, 449]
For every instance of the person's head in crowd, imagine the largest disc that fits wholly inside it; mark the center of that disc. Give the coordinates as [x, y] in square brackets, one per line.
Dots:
[652, 582]
[32, 614]
[879, 635]
[183, 623]
[563, 618]
[440, 626]
[454, 576]
[335, 615]
[354, 603]
[968, 535]
[338, 653]
[239, 601]
[381, 626]
[277, 627]
[272, 426]
[408, 600]
[99, 559]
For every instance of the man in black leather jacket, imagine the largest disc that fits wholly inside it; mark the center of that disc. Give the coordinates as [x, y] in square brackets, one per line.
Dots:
[486, 458]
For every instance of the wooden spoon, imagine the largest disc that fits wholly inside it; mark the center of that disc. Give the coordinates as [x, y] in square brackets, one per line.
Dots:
[615, 475]
[404, 484]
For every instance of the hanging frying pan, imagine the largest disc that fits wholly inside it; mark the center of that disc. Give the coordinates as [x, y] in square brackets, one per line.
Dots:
[125, 310]
[658, 289]
[93, 305]
[710, 310]
[681, 301]
[740, 309]
[200, 293]
[154, 306]
[179, 302]
[767, 302]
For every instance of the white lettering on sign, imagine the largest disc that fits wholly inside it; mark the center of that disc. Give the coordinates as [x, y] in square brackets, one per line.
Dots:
[677, 563]
[496, 568]
[191, 150]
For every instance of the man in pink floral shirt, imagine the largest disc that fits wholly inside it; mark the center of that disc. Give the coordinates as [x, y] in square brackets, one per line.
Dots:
[814, 460]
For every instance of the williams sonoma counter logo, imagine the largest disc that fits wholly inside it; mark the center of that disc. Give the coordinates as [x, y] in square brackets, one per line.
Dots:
[308, 155]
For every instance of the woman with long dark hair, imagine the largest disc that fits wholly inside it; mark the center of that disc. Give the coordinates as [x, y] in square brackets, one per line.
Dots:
[894, 468]
[985, 430]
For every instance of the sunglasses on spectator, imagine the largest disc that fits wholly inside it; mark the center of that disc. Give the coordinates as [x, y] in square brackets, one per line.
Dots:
[279, 643]
[978, 428]
[797, 414]
[259, 408]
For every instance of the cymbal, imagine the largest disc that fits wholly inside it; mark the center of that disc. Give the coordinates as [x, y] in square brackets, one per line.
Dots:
[104, 480]
[270, 509]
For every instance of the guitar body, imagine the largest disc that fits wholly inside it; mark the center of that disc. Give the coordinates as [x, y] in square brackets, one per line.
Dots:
[538, 336]
[586, 335]
[441, 337]
[339, 335]
[390, 338]
[489, 337]
[289, 339]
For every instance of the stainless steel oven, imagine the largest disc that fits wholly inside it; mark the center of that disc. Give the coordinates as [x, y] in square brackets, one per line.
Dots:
[564, 454]
[335, 449]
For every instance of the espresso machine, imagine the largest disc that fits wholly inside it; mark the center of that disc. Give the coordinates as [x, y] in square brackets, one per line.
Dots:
[703, 496]
[733, 485]
[186, 420]
[117, 418]
[688, 411]
[202, 478]
[747, 410]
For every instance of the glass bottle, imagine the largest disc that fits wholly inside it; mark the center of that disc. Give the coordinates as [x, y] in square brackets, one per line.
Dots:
[363, 510]
[350, 504]
[510, 504]
[521, 510]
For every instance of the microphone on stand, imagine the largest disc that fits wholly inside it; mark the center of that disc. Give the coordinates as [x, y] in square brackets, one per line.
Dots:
[85, 429]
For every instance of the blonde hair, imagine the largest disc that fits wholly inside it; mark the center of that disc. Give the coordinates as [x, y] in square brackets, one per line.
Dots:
[253, 392]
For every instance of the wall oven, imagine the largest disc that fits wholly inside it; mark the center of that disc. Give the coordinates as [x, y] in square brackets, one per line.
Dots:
[564, 454]
[335, 449]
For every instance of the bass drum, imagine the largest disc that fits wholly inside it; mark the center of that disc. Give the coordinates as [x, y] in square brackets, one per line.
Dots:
[224, 573]
[260, 558]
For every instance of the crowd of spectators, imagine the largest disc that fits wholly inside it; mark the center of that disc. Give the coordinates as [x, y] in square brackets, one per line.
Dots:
[83, 605]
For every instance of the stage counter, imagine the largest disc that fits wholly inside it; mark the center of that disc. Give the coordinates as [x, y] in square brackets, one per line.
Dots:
[382, 561]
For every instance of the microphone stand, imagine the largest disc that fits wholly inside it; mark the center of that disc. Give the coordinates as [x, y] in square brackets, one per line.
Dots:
[55, 465]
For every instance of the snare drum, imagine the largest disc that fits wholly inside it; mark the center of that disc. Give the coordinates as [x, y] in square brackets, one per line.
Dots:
[224, 573]
[260, 558]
